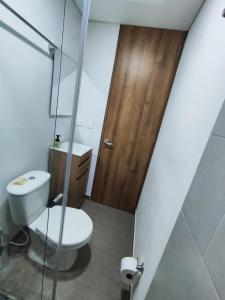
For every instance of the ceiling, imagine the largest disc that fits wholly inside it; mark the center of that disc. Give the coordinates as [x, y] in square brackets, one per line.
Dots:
[173, 14]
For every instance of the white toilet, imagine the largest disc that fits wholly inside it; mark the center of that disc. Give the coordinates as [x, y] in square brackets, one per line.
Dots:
[28, 198]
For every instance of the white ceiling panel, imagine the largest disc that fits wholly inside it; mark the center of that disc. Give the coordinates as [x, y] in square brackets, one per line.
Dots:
[173, 14]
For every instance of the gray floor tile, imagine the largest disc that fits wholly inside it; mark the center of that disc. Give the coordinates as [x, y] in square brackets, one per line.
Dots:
[95, 274]
[22, 278]
[205, 206]
[98, 265]
[215, 259]
[181, 274]
[111, 227]
[219, 128]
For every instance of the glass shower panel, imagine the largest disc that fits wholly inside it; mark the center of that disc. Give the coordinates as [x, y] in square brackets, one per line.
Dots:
[65, 160]
[61, 107]
[29, 46]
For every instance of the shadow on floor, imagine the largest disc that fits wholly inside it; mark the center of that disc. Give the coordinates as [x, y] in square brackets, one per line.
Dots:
[95, 273]
[125, 295]
[80, 265]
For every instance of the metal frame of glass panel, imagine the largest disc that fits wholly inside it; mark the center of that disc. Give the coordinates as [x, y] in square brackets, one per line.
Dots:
[84, 27]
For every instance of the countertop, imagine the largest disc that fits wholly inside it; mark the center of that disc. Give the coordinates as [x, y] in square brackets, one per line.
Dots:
[78, 149]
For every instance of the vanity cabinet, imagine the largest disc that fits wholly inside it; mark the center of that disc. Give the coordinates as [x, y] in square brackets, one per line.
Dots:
[81, 160]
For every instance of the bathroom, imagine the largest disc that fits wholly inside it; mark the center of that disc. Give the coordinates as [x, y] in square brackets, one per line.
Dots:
[112, 162]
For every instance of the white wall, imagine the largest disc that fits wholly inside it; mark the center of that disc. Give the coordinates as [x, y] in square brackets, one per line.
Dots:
[26, 129]
[25, 85]
[25, 89]
[99, 60]
[100, 53]
[194, 255]
[194, 104]
[72, 28]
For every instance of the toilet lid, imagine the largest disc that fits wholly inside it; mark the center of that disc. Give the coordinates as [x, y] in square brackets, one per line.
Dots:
[77, 226]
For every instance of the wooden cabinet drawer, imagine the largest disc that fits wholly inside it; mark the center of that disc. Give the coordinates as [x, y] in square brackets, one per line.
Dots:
[83, 168]
[77, 190]
[82, 180]
[84, 157]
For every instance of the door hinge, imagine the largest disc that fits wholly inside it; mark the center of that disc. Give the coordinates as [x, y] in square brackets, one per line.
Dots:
[179, 51]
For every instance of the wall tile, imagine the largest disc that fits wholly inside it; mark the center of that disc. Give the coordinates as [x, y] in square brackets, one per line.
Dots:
[219, 128]
[181, 273]
[215, 260]
[205, 203]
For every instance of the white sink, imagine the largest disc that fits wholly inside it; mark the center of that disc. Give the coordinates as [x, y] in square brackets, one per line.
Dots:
[78, 149]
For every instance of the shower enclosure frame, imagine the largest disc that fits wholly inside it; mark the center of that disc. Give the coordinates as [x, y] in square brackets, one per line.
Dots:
[83, 35]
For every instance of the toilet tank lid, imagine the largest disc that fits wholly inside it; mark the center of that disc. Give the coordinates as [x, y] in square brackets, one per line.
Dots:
[28, 182]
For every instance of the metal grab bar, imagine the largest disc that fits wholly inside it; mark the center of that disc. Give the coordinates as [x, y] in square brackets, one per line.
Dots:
[27, 23]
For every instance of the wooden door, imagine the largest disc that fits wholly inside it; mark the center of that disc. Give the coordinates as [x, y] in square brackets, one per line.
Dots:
[144, 70]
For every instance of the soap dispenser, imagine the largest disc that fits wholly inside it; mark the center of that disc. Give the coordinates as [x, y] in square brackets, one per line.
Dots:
[57, 142]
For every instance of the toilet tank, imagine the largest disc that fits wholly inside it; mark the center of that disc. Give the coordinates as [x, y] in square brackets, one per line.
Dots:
[28, 196]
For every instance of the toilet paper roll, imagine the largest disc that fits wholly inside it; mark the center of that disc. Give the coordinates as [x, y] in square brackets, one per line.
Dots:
[128, 270]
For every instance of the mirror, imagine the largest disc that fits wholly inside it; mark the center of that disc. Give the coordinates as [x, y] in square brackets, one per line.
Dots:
[63, 93]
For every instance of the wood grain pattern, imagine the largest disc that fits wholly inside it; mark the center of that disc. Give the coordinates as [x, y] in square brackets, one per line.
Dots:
[144, 71]
[78, 176]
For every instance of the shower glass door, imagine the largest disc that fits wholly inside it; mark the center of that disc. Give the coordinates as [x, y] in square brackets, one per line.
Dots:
[40, 66]
[65, 192]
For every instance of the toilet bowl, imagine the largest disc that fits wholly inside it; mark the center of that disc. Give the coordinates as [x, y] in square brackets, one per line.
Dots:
[28, 197]
[77, 232]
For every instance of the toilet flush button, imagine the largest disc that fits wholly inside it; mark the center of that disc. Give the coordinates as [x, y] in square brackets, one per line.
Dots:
[31, 177]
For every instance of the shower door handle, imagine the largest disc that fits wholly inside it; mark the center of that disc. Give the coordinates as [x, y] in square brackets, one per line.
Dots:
[108, 143]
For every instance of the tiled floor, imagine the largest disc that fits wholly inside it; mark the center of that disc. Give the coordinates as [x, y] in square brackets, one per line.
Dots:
[4, 296]
[94, 276]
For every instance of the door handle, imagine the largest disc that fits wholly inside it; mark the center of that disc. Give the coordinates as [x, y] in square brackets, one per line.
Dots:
[108, 143]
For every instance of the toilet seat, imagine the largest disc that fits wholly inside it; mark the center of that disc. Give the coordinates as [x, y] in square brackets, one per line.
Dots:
[77, 230]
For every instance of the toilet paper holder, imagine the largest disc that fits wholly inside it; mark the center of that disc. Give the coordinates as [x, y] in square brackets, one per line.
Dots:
[140, 268]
